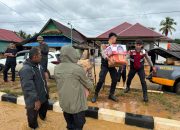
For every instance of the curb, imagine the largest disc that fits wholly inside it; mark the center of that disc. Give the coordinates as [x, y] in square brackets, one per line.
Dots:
[142, 121]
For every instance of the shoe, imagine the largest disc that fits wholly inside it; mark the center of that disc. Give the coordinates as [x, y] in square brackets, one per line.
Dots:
[146, 99]
[126, 90]
[113, 98]
[42, 118]
[94, 99]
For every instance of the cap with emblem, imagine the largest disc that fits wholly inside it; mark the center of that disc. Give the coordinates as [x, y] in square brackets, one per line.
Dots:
[138, 41]
[40, 38]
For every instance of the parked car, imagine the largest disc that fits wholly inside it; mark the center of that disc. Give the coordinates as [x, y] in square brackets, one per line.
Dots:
[166, 74]
[53, 60]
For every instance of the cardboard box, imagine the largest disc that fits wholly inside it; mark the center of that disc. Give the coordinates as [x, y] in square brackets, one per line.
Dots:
[85, 64]
[116, 53]
[177, 63]
[119, 60]
[170, 61]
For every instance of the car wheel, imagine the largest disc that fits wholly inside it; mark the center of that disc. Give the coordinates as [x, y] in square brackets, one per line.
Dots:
[1, 67]
[178, 88]
[166, 88]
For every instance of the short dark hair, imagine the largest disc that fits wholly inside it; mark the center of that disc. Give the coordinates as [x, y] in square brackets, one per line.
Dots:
[138, 41]
[112, 34]
[34, 51]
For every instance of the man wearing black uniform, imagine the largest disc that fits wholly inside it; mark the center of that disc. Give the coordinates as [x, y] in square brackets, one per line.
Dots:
[44, 52]
[105, 69]
[122, 73]
[137, 66]
[10, 53]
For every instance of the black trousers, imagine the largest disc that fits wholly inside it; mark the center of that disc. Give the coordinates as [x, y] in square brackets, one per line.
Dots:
[75, 121]
[44, 63]
[32, 114]
[122, 73]
[102, 76]
[8, 66]
[141, 75]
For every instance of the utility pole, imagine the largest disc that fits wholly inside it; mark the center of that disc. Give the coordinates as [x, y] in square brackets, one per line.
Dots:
[71, 33]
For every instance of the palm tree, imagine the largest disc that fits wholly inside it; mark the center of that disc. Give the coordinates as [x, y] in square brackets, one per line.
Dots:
[167, 26]
[23, 34]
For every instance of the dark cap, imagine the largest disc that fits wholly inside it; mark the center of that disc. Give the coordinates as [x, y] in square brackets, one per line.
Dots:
[138, 41]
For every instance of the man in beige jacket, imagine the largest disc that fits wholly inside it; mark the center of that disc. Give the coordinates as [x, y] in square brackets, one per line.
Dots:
[71, 83]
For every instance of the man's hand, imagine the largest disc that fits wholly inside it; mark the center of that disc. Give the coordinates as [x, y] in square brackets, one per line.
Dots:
[111, 61]
[7, 54]
[46, 75]
[154, 69]
[10, 54]
[86, 92]
[37, 105]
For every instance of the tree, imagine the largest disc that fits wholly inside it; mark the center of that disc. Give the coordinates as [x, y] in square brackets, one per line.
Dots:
[177, 41]
[167, 26]
[23, 34]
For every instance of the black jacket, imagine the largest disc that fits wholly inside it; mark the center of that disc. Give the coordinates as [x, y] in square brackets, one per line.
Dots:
[11, 60]
[33, 83]
[44, 51]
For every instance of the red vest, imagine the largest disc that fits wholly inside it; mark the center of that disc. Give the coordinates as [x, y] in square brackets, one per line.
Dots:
[137, 58]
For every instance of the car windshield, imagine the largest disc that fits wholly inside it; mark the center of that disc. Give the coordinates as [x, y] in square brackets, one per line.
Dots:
[20, 56]
[58, 57]
[50, 56]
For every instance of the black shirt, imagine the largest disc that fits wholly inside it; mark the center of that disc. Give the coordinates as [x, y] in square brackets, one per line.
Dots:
[9, 58]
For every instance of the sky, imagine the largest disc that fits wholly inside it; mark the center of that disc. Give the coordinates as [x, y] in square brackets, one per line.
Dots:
[90, 17]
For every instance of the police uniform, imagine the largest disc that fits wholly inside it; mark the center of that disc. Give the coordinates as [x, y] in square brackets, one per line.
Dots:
[137, 66]
[10, 63]
[102, 75]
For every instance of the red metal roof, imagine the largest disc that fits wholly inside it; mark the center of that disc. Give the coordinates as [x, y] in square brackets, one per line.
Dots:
[138, 30]
[116, 29]
[7, 35]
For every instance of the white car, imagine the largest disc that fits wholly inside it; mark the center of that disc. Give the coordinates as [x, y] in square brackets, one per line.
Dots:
[53, 60]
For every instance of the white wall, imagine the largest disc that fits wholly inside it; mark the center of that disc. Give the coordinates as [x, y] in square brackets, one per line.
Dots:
[164, 46]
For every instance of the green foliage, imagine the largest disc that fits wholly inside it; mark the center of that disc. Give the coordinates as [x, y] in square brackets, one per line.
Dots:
[24, 35]
[167, 26]
[177, 41]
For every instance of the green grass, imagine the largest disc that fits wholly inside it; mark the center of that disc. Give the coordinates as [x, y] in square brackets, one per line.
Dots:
[167, 103]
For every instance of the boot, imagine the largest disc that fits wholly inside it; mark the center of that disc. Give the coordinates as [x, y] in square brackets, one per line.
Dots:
[145, 97]
[113, 98]
[94, 99]
[127, 90]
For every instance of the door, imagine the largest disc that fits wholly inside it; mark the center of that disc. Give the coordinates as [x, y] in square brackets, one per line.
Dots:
[21, 57]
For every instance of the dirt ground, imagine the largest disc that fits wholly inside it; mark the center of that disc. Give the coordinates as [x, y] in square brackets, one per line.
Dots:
[13, 117]
[165, 105]
[135, 83]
